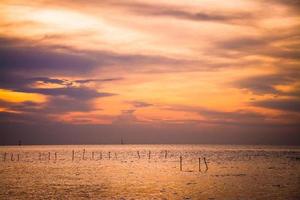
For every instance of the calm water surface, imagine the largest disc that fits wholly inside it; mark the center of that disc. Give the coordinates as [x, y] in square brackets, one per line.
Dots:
[149, 172]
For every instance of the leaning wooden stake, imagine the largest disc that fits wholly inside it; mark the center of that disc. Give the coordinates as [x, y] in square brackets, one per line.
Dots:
[180, 163]
[4, 156]
[138, 153]
[205, 164]
[199, 164]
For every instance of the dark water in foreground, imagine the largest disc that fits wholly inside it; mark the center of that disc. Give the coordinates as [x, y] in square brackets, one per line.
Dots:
[149, 172]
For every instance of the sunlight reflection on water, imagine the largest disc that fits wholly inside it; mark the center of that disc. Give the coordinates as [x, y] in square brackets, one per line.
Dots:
[149, 172]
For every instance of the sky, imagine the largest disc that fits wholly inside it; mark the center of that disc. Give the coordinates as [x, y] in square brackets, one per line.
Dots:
[207, 71]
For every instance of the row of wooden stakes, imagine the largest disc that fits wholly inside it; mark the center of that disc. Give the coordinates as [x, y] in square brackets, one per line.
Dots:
[17, 158]
[109, 155]
[199, 162]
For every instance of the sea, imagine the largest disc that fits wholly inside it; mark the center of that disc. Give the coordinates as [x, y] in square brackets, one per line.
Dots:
[120, 172]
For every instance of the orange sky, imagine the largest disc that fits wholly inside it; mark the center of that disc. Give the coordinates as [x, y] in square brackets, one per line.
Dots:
[144, 62]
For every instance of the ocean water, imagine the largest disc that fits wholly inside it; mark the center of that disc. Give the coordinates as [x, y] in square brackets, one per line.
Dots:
[149, 172]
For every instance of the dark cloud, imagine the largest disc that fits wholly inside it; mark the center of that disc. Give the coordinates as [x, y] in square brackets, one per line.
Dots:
[24, 59]
[68, 97]
[12, 82]
[31, 58]
[140, 104]
[160, 9]
[287, 54]
[60, 105]
[74, 92]
[22, 63]
[23, 118]
[265, 84]
[197, 16]
[22, 84]
[60, 101]
[238, 117]
[47, 80]
[263, 45]
[28, 57]
[244, 43]
[291, 105]
[82, 81]
[54, 105]
[288, 2]
[241, 118]
[293, 5]
[27, 106]
[35, 113]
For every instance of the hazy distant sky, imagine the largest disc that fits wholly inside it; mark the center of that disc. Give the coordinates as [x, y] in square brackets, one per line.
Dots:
[189, 71]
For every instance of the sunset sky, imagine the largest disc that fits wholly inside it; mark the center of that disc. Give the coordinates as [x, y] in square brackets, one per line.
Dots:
[168, 71]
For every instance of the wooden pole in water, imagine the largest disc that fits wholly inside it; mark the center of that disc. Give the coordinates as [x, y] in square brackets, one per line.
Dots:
[199, 164]
[18, 156]
[138, 153]
[166, 154]
[83, 154]
[149, 155]
[109, 155]
[100, 155]
[12, 157]
[40, 156]
[55, 156]
[4, 156]
[49, 155]
[180, 163]
[205, 163]
[92, 155]
[73, 155]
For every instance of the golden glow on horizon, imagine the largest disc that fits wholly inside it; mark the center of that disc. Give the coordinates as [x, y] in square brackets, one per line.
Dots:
[17, 97]
[83, 118]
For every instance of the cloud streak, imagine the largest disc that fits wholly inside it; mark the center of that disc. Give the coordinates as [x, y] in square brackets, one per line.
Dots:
[291, 105]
